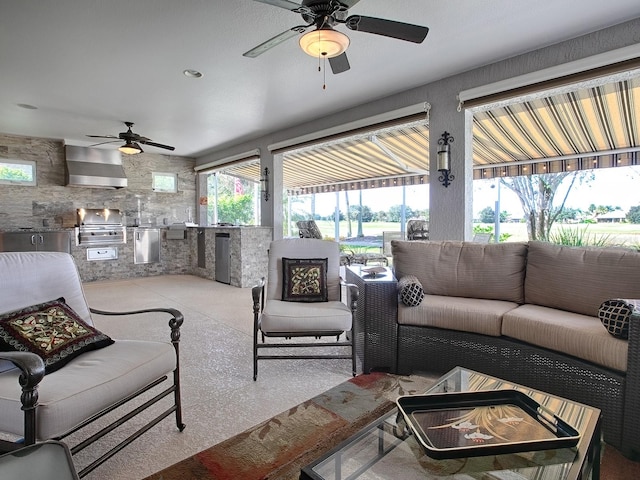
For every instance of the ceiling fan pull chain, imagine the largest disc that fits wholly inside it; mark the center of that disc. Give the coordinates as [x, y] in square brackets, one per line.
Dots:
[324, 73]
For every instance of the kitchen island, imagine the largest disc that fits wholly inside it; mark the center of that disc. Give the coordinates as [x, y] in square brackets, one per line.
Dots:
[247, 253]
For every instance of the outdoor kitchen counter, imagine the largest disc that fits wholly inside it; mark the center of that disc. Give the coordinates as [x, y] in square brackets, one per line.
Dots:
[191, 254]
[248, 246]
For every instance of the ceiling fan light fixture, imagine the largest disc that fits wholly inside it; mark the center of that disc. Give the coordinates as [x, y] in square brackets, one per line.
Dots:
[325, 42]
[130, 148]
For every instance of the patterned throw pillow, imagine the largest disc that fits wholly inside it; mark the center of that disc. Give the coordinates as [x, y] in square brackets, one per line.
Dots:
[51, 330]
[304, 280]
[411, 291]
[614, 315]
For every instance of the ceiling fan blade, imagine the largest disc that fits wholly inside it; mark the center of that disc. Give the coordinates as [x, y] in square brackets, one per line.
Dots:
[349, 3]
[277, 40]
[287, 5]
[102, 143]
[340, 63]
[102, 136]
[388, 28]
[159, 145]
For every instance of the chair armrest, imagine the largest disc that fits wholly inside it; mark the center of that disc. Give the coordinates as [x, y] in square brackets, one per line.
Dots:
[257, 293]
[352, 294]
[174, 323]
[32, 368]
[31, 365]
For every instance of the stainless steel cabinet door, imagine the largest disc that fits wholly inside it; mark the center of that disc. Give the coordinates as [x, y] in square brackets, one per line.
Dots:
[146, 245]
[30, 241]
[54, 241]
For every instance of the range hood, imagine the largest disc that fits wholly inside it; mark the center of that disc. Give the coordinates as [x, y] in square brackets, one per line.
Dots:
[94, 167]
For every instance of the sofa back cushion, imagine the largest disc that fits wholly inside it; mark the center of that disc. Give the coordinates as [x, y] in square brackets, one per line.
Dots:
[579, 279]
[493, 271]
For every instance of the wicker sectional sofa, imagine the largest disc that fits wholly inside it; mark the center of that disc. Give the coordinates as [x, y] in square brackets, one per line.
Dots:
[526, 312]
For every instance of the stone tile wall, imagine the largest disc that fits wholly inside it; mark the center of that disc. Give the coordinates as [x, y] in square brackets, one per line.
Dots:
[248, 250]
[50, 201]
[54, 204]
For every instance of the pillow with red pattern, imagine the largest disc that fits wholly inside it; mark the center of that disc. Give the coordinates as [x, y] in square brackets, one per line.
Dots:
[51, 330]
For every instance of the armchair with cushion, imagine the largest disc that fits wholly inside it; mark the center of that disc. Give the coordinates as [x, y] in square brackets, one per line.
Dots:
[301, 297]
[308, 229]
[58, 373]
[417, 229]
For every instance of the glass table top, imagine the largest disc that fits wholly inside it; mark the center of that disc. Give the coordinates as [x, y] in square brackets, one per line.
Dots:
[386, 449]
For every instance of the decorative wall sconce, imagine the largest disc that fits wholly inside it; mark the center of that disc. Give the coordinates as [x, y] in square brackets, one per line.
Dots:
[264, 184]
[444, 159]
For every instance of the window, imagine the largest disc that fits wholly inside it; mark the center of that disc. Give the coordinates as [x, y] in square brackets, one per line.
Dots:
[165, 182]
[17, 172]
[232, 199]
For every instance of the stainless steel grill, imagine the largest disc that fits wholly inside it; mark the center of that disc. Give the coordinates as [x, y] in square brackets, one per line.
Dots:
[100, 227]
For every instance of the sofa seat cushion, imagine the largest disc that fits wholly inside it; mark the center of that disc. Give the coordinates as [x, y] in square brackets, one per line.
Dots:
[581, 336]
[279, 316]
[457, 313]
[86, 385]
[579, 279]
[492, 271]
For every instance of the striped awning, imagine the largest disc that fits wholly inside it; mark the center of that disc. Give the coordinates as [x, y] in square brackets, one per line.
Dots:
[595, 127]
[395, 156]
[589, 128]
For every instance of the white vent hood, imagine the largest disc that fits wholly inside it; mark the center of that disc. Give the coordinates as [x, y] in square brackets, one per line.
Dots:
[94, 167]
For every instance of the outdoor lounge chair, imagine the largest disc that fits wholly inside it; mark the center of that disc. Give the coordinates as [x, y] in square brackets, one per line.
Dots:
[308, 229]
[79, 374]
[301, 297]
[417, 229]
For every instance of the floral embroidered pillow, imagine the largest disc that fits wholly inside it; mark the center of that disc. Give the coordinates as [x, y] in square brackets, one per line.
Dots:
[304, 280]
[51, 330]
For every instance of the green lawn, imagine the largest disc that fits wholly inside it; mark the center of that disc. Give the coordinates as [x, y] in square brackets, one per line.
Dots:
[614, 233]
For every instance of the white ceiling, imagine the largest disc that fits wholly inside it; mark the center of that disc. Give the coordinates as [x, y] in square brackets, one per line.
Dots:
[89, 65]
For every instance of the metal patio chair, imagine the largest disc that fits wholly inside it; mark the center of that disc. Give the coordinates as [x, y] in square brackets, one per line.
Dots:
[44, 398]
[301, 297]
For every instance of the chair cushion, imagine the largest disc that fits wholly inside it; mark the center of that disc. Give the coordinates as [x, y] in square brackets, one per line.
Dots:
[304, 279]
[27, 278]
[279, 316]
[51, 330]
[615, 314]
[303, 248]
[410, 290]
[86, 385]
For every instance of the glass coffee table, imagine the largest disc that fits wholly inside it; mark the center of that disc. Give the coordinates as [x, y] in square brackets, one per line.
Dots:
[386, 449]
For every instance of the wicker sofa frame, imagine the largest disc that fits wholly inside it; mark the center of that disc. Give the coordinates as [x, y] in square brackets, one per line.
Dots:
[615, 393]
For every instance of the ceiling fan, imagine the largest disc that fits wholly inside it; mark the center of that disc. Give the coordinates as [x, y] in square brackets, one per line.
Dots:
[132, 141]
[324, 41]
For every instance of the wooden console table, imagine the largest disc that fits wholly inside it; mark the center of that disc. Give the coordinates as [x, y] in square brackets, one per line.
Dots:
[376, 328]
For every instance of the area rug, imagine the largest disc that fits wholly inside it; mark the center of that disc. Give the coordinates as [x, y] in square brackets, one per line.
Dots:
[280, 447]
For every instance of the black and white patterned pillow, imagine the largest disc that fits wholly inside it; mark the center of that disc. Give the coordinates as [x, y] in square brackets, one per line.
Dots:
[411, 291]
[615, 313]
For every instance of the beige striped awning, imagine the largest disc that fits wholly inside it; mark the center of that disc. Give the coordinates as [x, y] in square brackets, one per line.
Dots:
[590, 128]
[594, 127]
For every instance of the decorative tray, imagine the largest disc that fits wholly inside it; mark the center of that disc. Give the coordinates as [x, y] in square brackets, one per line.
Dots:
[469, 424]
[374, 271]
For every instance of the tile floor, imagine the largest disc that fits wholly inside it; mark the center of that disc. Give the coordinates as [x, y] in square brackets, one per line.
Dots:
[220, 398]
